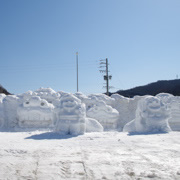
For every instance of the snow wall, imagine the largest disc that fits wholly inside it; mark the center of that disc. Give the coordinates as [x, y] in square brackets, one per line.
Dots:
[58, 111]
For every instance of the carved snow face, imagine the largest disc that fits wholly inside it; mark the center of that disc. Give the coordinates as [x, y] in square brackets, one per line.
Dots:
[153, 108]
[48, 94]
[153, 104]
[101, 109]
[165, 97]
[35, 112]
[35, 102]
[69, 103]
[71, 108]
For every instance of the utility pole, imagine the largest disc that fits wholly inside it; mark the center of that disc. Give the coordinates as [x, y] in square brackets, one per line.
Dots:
[107, 78]
[104, 64]
[77, 70]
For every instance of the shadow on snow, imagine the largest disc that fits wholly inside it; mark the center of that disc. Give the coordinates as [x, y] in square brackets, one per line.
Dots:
[147, 133]
[50, 136]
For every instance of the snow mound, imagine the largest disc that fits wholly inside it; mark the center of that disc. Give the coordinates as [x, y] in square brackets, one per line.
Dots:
[151, 117]
[93, 125]
[72, 116]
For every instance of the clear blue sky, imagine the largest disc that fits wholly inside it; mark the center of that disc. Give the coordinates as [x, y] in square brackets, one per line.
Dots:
[39, 40]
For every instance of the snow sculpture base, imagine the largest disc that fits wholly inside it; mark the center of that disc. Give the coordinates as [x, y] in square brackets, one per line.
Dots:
[151, 117]
[72, 127]
[72, 114]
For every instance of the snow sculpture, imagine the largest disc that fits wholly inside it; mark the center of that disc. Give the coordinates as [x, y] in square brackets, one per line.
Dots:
[88, 101]
[106, 115]
[166, 98]
[102, 97]
[35, 113]
[80, 96]
[48, 94]
[151, 117]
[72, 114]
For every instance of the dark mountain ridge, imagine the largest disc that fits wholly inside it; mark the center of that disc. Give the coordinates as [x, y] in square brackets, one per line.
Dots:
[162, 86]
[4, 91]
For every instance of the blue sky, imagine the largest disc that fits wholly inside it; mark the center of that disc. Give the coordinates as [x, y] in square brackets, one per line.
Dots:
[39, 41]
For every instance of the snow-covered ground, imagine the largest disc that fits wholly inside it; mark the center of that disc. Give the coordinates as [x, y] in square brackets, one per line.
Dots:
[43, 155]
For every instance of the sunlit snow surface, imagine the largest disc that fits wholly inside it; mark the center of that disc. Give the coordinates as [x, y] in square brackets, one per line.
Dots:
[105, 155]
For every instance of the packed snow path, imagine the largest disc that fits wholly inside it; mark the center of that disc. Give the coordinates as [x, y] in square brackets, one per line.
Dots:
[108, 155]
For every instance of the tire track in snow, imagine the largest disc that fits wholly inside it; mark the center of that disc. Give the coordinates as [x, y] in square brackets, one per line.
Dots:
[90, 175]
[155, 168]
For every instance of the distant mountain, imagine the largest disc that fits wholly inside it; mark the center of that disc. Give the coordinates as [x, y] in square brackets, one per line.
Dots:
[166, 86]
[3, 90]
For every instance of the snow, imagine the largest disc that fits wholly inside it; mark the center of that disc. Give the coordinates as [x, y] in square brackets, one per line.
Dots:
[105, 155]
[57, 135]
[151, 117]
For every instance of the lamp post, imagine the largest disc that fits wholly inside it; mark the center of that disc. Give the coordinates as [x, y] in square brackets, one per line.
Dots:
[77, 70]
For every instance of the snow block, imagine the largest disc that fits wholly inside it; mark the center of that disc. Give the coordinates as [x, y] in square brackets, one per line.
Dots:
[10, 104]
